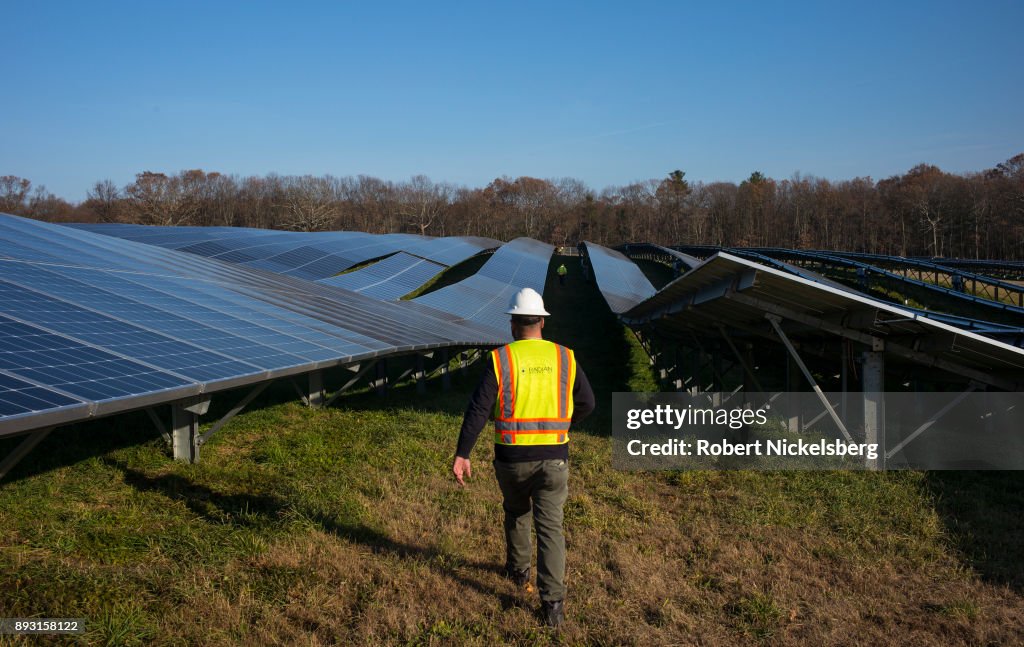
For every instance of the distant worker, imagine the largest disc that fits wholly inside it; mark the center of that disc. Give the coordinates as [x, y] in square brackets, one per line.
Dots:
[958, 282]
[534, 390]
[677, 268]
[562, 271]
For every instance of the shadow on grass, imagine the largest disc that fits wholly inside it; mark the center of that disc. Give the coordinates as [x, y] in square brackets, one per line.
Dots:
[75, 443]
[71, 444]
[267, 510]
[983, 513]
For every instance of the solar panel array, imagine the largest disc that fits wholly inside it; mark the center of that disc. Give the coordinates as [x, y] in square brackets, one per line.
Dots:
[621, 282]
[484, 297]
[306, 255]
[727, 291]
[937, 296]
[390, 278]
[93, 324]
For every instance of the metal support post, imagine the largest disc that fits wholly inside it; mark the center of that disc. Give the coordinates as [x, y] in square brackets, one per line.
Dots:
[677, 360]
[717, 379]
[873, 369]
[844, 377]
[316, 390]
[446, 377]
[381, 383]
[420, 375]
[185, 428]
[695, 381]
[792, 401]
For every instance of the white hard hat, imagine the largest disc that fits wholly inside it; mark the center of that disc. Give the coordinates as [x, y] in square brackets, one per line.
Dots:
[527, 302]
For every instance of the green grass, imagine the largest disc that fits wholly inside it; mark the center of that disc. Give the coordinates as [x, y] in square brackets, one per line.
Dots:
[343, 526]
[450, 276]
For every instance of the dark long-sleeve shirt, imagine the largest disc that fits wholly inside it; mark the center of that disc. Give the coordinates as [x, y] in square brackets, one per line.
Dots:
[481, 406]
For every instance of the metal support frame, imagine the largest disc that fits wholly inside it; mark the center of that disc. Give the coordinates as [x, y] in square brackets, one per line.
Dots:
[22, 450]
[748, 370]
[185, 427]
[446, 376]
[712, 364]
[420, 375]
[813, 421]
[908, 353]
[793, 402]
[717, 375]
[360, 371]
[158, 424]
[873, 380]
[775, 322]
[202, 440]
[313, 396]
[931, 421]
[381, 383]
[316, 390]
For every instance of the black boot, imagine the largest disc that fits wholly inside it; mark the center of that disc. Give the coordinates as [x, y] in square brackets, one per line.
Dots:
[520, 578]
[553, 612]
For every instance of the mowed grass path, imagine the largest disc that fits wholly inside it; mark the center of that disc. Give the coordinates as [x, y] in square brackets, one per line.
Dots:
[343, 526]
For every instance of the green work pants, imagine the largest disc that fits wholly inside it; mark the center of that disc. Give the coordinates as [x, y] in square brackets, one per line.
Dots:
[541, 487]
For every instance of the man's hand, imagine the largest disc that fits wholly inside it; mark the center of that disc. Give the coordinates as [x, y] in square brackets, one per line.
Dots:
[461, 468]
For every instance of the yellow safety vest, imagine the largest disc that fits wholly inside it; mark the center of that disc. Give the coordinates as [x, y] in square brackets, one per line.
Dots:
[534, 405]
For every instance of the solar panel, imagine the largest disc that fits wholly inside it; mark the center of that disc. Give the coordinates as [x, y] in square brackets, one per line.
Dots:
[308, 255]
[19, 397]
[29, 353]
[95, 324]
[484, 297]
[620, 281]
[390, 278]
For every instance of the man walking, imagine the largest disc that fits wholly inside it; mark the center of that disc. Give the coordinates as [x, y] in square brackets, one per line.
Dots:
[562, 271]
[534, 390]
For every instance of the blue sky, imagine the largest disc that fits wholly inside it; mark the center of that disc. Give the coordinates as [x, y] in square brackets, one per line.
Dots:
[466, 92]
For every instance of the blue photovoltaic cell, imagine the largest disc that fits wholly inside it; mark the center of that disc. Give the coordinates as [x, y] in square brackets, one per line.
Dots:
[140, 305]
[120, 337]
[73, 367]
[621, 282]
[390, 278]
[484, 297]
[91, 323]
[18, 397]
[307, 255]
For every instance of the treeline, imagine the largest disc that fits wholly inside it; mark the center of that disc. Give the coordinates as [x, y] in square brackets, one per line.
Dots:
[925, 211]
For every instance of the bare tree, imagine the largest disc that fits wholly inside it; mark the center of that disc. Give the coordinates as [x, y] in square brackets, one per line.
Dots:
[104, 200]
[13, 193]
[422, 203]
[308, 204]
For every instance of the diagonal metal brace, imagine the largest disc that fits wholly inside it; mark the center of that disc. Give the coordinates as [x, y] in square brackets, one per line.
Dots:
[159, 425]
[931, 421]
[362, 371]
[234, 411]
[774, 321]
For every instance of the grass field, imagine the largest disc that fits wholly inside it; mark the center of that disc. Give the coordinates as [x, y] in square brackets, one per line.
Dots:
[343, 526]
